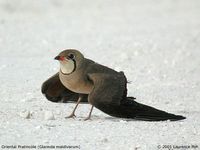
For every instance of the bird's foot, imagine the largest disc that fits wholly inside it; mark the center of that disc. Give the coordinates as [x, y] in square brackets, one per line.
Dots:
[71, 116]
[88, 118]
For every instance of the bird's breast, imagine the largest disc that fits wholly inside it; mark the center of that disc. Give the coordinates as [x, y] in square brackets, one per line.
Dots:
[76, 83]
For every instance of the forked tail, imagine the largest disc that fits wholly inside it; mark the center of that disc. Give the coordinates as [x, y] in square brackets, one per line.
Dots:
[134, 110]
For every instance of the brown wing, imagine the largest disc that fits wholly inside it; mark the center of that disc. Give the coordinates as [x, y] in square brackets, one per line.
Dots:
[109, 90]
[55, 91]
[109, 95]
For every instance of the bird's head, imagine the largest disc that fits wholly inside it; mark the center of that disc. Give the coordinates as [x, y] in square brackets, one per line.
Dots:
[70, 60]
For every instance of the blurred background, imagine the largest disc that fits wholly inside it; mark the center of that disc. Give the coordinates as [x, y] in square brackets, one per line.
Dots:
[156, 43]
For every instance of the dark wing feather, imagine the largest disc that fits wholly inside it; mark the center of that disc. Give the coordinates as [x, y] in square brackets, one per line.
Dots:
[108, 92]
[109, 95]
[55, 91]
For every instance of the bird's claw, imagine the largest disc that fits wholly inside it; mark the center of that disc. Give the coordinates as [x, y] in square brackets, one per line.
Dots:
[71, 116]
[88, 118]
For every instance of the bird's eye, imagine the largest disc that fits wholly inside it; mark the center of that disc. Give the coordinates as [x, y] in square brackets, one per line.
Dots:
[71, 56]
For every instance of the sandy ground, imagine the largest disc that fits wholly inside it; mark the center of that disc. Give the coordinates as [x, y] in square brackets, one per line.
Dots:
[156, 43]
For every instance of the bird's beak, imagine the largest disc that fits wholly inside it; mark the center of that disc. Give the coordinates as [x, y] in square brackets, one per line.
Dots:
[61, 58]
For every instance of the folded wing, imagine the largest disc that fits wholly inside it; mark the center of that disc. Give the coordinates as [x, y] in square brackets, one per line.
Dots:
[55, 91]
[109, 96]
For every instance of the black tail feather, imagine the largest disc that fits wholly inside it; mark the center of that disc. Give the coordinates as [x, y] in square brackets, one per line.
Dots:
[134, 110]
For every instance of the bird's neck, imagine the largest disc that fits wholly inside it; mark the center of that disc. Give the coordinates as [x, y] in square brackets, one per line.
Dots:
[67, 67]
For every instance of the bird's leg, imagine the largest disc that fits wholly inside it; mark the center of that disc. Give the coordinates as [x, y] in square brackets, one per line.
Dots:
[73, 112]
[89, 116]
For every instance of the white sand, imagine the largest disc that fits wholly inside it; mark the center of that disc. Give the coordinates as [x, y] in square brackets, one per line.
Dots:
[156, 43]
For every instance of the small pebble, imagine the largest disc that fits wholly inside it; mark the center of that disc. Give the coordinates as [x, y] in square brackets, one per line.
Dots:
[122, 121]
[58, 112]
[18, 135]
[46, 141]
[25, 114]
[136, 53]
[38, 127]
[48, 115]
[2, 67]
[105, 140]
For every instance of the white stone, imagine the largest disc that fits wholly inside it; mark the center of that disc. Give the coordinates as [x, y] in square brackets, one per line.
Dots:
[48, 115]
[25, 114]
[38, 127]
[58, 112]
[122, 121]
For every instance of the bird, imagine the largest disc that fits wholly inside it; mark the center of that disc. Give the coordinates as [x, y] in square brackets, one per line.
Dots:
[81, 80]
